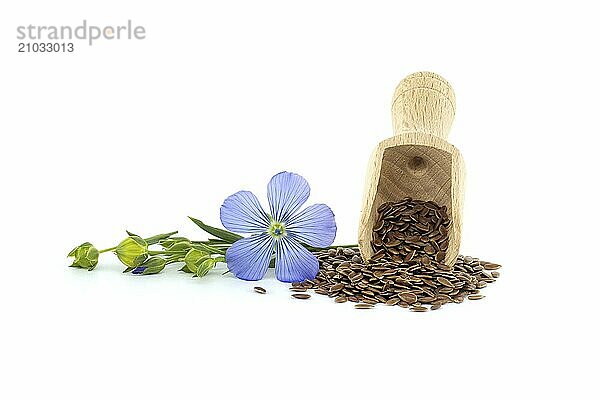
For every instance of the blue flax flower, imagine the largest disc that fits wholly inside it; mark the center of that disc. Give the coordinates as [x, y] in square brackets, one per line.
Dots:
[282, 232]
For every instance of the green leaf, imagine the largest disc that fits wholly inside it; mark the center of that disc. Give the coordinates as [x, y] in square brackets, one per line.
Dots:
[157, 238]
[178, 238]
[217, 241]
[227, 236]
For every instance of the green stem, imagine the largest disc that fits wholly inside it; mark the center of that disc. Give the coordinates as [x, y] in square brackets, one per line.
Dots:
[151, 239]
[166, 252]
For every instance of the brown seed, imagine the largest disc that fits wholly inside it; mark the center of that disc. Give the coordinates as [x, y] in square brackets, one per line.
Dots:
[378, 274]
[260, 290]
[444, 281]
[476, 297]
[495, 274]
[439, 257]
[418, 309]
[410, 255]
[491, 266]
[363, 306]
[384, 279]
[337, 287]
[302, 296]
[435, 307]
[445, 267]
[378, 226]
[383, 206]
[408, 297]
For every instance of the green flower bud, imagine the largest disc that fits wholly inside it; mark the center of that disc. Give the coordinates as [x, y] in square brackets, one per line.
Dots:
[206, 266]
[132, 251]
[175, 244]
[86, 256]
[153, 265]
[194, 258]
[180, 246]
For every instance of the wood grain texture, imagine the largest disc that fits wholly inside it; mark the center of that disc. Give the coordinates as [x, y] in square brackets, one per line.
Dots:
[417, 162]
[423, 102]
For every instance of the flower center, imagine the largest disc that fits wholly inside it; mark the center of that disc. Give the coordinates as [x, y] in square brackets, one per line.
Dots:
[277, 229]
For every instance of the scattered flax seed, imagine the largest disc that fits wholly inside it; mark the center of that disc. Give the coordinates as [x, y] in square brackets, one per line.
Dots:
[490, 266]
[410, 239]
[302, 296]
[260, 290]
[476, 297]
[406, 284]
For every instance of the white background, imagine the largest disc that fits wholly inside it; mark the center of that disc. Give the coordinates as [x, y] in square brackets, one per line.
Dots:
[222, 95]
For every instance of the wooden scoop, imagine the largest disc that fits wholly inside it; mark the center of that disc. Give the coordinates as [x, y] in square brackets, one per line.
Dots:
[417, 162]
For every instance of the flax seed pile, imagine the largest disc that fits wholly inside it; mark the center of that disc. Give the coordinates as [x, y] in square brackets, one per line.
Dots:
[409, 239]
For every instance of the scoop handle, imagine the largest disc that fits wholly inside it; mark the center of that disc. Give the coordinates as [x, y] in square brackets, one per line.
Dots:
[424, 103]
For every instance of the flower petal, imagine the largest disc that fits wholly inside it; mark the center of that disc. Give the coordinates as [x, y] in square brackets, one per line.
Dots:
[249, 258]
[314, 226]
[286, 193]
[242, 213]
[293, 262]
